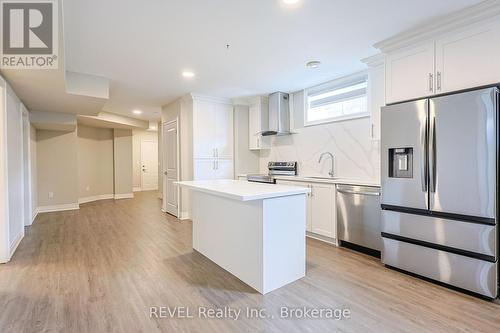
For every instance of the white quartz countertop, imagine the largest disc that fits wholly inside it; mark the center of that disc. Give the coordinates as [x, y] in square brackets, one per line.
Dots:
[243, 191]
[311, 179]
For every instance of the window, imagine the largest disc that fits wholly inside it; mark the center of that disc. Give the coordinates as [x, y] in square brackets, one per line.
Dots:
[335, 101]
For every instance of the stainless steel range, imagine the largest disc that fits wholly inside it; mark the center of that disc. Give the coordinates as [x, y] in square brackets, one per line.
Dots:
[275, 169]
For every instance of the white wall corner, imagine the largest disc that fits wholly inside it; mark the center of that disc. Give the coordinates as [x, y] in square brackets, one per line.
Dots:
[34, 214]
[184, 216]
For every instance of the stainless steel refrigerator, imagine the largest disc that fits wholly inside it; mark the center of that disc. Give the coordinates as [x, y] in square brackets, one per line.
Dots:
[439, 189]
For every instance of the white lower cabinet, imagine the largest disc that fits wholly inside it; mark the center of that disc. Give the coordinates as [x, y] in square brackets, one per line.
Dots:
[323, 210]
[321, 216]
[207, 169]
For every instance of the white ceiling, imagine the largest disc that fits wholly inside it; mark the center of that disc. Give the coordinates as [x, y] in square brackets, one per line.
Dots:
[143, 46]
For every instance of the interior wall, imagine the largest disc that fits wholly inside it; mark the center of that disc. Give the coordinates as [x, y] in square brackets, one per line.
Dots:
[245, 160]
[123, 163]
[34, 175]
[137, 137]
[57, 161]
[15, 169]
[357, 156]
[4, 207]
[95, 162]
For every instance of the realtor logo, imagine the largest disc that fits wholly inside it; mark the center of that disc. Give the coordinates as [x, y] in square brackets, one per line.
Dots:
[29, 34]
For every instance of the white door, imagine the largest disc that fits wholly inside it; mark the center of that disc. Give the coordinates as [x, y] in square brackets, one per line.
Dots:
[224, 169]
[203, 169]
[224, 131]
[149, 165]
[204, 123]
[171, 174]
[323, 210]
[468, 59]
[410, 73]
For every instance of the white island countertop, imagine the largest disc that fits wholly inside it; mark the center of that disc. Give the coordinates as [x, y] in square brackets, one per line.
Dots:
[243, 191]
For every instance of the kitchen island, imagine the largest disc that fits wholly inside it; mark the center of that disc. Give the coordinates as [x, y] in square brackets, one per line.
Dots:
[254, 231]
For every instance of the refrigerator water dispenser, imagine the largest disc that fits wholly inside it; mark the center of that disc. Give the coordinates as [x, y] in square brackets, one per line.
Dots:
[401, 162]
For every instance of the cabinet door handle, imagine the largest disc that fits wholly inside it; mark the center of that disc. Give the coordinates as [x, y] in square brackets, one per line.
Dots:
[431, 82]
[439, 81]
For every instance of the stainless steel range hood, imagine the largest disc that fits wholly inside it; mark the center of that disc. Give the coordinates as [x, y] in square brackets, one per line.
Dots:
[279, 115]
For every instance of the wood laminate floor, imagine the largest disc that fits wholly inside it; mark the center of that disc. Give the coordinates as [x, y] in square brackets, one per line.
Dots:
[102, 268]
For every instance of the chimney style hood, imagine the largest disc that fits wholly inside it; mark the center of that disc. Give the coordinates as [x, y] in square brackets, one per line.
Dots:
[279, 115]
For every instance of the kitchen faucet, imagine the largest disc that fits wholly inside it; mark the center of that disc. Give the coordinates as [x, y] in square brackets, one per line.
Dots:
[331, 173]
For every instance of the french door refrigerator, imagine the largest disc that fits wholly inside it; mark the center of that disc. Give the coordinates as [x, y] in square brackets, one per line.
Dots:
[439, 189]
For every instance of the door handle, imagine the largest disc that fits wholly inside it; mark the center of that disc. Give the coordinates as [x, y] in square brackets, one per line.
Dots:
[438, 84]
[431, 82]
[375, 194]
[432, 153]
[423, 156]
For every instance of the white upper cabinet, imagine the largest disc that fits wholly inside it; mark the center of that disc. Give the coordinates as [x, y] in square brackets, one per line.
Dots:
[212, 130]
[204, 122]
[410, 73]
[468, 58]
[224, 131]
[258, 121]
[376, 98]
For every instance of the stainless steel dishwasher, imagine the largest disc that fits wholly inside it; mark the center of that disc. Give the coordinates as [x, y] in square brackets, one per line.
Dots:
[358, 217]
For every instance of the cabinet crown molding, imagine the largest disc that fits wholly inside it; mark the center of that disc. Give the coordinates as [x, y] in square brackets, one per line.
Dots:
[483, 11]
[375, 60]
[205, 98]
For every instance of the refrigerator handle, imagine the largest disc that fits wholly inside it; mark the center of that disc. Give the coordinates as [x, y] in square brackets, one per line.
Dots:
[423, 158]
[432, 152]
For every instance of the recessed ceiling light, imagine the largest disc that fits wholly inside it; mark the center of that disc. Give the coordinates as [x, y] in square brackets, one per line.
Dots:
[313, 64]
[137, 112]
[290, 2]
[188, 74]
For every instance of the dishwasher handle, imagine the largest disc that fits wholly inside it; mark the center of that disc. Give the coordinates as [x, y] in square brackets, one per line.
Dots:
[358, 192]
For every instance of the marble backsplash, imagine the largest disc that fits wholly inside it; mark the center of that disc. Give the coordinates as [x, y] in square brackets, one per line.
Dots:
[357, 156]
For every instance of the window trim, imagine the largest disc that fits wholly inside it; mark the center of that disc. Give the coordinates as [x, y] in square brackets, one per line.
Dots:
[337, 84]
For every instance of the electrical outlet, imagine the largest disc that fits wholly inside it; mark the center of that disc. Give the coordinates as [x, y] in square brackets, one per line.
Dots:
[51, 195]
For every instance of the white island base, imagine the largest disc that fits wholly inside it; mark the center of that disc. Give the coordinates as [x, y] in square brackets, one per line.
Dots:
[258, 237]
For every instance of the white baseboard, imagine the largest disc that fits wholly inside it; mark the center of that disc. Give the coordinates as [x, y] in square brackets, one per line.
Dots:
[15, 242]
[58, 208]
[34, 215]
[137, 189]
[95, 198]
[124, 196]
[325, 239]
[184, 216]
